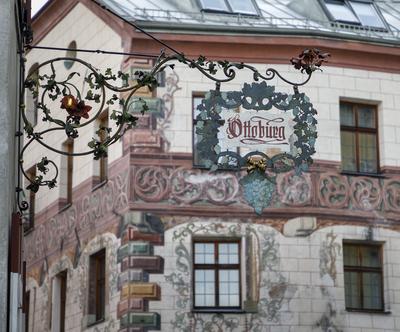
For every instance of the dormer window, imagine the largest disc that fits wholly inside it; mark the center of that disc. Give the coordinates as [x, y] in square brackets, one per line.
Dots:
[363, 13]
[341, 12]
[245, 7]
[367, 14]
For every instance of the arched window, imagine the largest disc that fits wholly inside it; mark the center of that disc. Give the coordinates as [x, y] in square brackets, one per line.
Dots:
[71, 53]
[32, 96]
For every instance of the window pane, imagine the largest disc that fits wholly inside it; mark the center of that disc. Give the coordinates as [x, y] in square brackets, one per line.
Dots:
[372, 290]
[348, 148]
[196, 137]
[350, 254]
[368, 153]
[243, 6]
[214, 5]
[228, 253]
[341, 12]
[204, 253]
[347, 115]
[370, 256]
[196, 103]
[229, 288]
[204, 288]
[366, 117]
[352, 290]
[367, 14]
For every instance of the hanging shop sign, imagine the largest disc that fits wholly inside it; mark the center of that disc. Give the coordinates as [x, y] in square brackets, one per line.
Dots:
[258, 128]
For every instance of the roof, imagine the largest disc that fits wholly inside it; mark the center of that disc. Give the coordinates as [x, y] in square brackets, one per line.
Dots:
[305, 17]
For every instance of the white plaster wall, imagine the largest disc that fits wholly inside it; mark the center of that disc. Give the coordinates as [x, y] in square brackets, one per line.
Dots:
[89, 32]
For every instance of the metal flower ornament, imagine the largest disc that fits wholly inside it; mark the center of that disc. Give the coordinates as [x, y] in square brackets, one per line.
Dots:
[62, 104]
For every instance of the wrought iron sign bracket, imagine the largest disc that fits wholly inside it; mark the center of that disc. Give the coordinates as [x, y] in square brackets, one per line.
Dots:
[67, 110]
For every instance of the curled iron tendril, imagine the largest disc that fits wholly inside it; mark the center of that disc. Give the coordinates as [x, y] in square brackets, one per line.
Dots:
[70, 110]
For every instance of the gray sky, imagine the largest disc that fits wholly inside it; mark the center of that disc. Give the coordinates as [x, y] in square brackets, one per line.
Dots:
[36, 5]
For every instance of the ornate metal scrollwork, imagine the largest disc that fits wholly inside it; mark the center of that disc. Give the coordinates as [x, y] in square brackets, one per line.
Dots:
[62, 104]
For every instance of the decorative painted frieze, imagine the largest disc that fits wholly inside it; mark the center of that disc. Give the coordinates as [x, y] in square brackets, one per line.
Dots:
[322, 193]
[143, 290]
[131, 275]
[132, 249]
[152, 264]
[139, 233]
[132, 234]
[147, 320]
[131, 304]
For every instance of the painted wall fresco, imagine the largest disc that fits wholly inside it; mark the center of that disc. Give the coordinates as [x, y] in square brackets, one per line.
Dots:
[290, 282]
[296, 282]
[77, 290]
[272, 288]
[181, 186]
[74, 224]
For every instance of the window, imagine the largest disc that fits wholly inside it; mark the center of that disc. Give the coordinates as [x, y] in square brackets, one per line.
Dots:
[216, 275]
[97, 282]
[196, 101]
[26, 309]
[71, 53]
[102, 134]
[363, 276]
[31, 173]
[32, 97]
[359, 137]
[59, 299]
[246, 7]
[67, 167]
[367, 14]
[200, 157]
[355, 12]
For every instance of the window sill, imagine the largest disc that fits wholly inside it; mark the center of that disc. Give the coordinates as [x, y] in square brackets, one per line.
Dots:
[28, 230]
[219, 310]
[99, 185]
[368, 311]
[96, 322]
[64, 207]
[372, 175]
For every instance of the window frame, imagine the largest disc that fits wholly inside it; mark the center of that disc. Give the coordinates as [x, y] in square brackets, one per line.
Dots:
[30, 98]
[70, 53]
[357, 130]
[31, 173]
[347, 4]
[216, 268]
[364, 269]
[63, 298]
[102, 172]
[195, 94]
[97, 309]
[68, 147]
[230, 9]
[202, 95]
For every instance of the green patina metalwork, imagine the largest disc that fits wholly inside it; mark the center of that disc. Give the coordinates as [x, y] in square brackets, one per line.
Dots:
[105, 89]
[258, 185]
